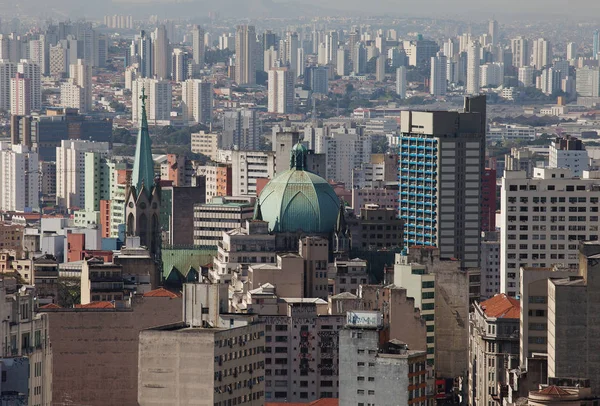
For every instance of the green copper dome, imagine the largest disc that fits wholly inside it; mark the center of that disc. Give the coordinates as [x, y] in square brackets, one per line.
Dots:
[298, 200]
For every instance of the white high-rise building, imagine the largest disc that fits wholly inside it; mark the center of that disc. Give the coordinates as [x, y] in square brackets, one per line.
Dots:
[8, 71]
[542, 53]
[38, 53]
[401, 82]
[162, 53]
[198, 45]
[159, 103]
[544, 218]
[491, 74]
[81, 75]
[569, 152]
[19, 178]
[437, 82]
[70, 171]
[271, 59]
[380, 67]
[322, 54]
[526, 76]
[331, 47]
[473, 62]
[300, 62]
[571, 51]
[342, 62]
[520, 51]
[588, 81]
[197, 99]
[180, 65]
[245, 51]
[20, 95]
[246, 168]
[32, 72]
[241, 130]
[549, 81]
[493, 32]
[281, 91]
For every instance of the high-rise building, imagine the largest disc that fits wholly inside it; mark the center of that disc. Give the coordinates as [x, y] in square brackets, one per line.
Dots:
[520, 52]
[569, 152]
[70, 171]
[300, 63]
[38, 53]
[317, 79]
[596, 44]
[342, 61]
[198, 45]
[281, 91]
[549, 81]
[542, 53]
[444, 210]
[473, 63]
[588, 82]
[245, 50]
[145, 53]
[246, 168]
[197, 100]
[19, 174]
[493, 32]
[380, 66]
[20, 95]
[571, 51]
[331, 47]
[525, 76]
[437, 81]
[162, 53]
[180, 65]
[491, 74]
[159, 94]
[81, 75]
[58, 60]
[368, 361]
[359, 59]
[531, 240]
[32, 72]
[291, 52]
[401, 82]
[8, 71]
[241, 129]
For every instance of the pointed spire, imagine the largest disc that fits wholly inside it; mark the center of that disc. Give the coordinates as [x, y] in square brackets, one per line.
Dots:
[340, 225]
[143, 166]
[257, 211]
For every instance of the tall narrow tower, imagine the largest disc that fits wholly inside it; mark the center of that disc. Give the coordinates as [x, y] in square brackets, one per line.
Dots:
[142, 209]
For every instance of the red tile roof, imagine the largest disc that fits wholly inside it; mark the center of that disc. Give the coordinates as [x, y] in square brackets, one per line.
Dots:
[96, 305]
[554, 391]
[161, 292]
[501, 306]
[51, 306]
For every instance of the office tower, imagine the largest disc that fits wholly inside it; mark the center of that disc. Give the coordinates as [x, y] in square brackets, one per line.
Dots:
[331, 47]
[241, 130]
[86, 34]
[180, 65]
[70, 171]
[342, 62]
[380, 67]
[571, 51]
[8, 70]
[588, 82]
[101, 51]
[269, 40]
[19, 175]
[245, 49]
[81, 75]
[448, 215]
[437, 81]
[281, 91]
[596, 44]
[198, 45]
[542, 53]
[493, 32]
[317, 79]
[145, 55]
[162, 53]
[525, 76]
[20, 95]
[159, 104]
[300, 63]
[359, 62]
[401, 82]
[32, 72]
[473, 62]
[520, 51]
[58, 60]
[491, 74]
[38, 53]
[367, 356]
[494, 323]
[529, 240]
[197, 100]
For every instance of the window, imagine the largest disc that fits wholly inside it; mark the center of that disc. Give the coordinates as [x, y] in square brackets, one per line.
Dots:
[428, 295]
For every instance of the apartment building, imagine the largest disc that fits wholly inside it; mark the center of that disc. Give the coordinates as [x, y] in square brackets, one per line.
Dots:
[543, 219]
[219, 215]
[246, 168]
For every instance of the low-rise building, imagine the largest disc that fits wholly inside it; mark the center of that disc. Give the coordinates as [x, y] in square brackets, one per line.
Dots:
[101, 282]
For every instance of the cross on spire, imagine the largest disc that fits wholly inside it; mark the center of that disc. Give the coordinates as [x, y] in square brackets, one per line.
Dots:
[143, 97]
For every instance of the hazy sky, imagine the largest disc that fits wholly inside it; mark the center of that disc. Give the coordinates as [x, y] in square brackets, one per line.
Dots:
[455, 9]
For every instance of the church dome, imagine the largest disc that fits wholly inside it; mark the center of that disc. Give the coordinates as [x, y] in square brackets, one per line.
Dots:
[298, 200]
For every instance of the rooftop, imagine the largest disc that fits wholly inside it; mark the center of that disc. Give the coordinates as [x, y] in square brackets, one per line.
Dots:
[96, 305]
[162, 292]
[502, 307]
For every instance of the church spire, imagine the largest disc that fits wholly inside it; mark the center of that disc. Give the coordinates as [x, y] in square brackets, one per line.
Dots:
[298, 157]
[257, 212]
[143, 166]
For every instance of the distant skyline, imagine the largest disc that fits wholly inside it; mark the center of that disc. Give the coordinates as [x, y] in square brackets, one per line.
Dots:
[457, 9]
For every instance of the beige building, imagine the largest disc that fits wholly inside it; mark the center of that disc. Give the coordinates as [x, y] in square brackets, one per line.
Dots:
[347, 276]
[11, 238]
[205, 143]
[101, 281]
[493, 337]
